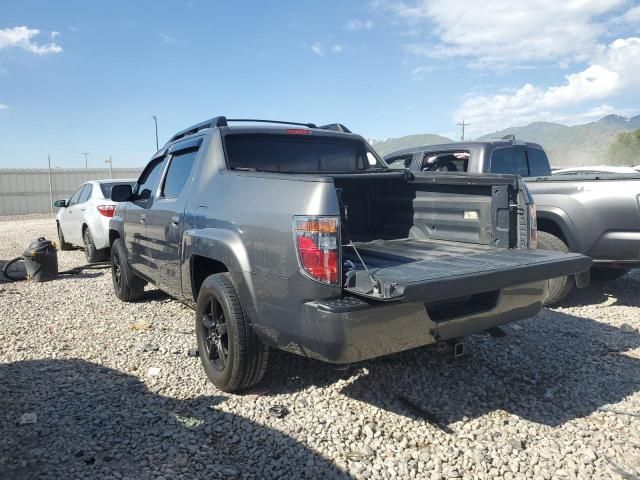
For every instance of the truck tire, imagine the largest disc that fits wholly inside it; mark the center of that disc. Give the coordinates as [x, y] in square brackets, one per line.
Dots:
[231, 353]
[559, 287]
[92, 254]
[62, 245]
[126, 285]
[606, 274]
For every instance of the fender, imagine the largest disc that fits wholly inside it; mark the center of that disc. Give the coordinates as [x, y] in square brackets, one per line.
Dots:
[226, 246]
[564, 222]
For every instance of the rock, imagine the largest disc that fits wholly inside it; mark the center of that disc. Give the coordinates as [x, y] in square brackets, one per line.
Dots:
[626, 328]
[149, 347]
[192, 352]
[153, 371]
[28, 419]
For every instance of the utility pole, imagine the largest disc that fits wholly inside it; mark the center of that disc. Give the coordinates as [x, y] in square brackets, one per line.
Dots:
[462, 124]
[155, 119]
[86, 162]
[50, 186]
[110, 166]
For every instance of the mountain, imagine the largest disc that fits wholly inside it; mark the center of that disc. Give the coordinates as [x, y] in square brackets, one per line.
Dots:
[576, 145]
[393, 144]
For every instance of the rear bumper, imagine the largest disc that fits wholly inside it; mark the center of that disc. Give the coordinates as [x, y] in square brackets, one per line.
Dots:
[350, 329]
[99, 227]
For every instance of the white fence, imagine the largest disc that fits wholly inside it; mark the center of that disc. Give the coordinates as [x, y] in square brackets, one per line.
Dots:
[24, 191]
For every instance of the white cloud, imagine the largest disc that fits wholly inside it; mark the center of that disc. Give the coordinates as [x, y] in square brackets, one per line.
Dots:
[632, 15]
[500, 32]
[22, 37]
[54, 35]
[355, 25]
[3, 106]
[317, 49]
[614, 69]
[168, 39]
[321, 50]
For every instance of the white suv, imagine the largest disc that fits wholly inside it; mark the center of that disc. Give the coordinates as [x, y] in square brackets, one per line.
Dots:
[84, 218]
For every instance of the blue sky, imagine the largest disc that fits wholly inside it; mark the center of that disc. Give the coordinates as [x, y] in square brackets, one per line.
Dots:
[88, 76]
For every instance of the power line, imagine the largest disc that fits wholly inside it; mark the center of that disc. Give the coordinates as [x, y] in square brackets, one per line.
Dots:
[462, 124]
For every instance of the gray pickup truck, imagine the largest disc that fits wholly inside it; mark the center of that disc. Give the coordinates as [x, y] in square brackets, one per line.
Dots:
[597, 215]
[300, 238]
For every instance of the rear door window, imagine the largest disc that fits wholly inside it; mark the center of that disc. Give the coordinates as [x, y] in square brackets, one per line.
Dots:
[86, 193]
[509, 160]
[179, 172]
[457, 161]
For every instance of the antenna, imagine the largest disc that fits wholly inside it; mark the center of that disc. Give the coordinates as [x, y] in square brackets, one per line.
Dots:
[462, 124]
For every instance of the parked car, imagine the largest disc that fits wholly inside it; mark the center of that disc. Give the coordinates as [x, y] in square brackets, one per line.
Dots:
[594, 214]
[301, 238]
[83, 219]
[594, 170]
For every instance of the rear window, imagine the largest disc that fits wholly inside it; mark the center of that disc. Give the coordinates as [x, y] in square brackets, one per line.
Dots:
[538, 162]
[509, 160]
[298, 154]
[106, 188]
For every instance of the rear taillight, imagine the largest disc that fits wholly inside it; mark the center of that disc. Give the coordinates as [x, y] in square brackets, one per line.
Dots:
[107, 210]
[533, 227]
[317, 242]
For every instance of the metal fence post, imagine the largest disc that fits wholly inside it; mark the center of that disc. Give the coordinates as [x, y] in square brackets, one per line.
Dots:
[50, 186]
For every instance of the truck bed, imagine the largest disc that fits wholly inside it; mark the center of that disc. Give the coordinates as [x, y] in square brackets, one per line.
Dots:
[430, 270]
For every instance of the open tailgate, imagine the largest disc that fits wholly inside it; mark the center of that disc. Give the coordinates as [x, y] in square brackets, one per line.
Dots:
[424, 271]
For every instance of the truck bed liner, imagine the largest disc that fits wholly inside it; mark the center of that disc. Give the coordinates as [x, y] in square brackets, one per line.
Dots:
[429, 270]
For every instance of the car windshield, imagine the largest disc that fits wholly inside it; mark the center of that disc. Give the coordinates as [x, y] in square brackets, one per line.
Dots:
[299, 154]
[106, 188]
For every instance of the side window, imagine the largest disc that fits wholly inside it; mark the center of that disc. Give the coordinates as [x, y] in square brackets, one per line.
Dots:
[74, 198]
[538, 162]
[178, 173]
[509, 160]
[400, 162]
[86, 193]
[148, 180]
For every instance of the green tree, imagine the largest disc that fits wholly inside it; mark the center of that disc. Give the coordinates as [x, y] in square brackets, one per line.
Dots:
[625, 149]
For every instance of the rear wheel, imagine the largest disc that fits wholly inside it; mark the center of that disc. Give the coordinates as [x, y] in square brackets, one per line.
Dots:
[231, 353]
[606, 274]
[61, 243]
[559, 287]
[90, 251]
[126, 284]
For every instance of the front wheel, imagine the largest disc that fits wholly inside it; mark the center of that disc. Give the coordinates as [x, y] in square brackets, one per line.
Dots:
[126, 284]
[560, 287]
[61, 243]
[232, 355]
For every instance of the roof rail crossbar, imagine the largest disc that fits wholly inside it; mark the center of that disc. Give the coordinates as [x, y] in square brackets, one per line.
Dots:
[336, 127]
[280, 122]
[213, 122]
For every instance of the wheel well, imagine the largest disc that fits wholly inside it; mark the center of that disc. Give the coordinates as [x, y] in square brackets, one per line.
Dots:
[84, 227]
[113, 235]
[549, 226]
[201, 268]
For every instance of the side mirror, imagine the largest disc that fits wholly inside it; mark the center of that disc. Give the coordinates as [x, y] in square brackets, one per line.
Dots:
[60, 203]
[121, 193]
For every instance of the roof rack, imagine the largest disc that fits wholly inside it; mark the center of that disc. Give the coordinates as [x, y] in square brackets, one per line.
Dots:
[214, 122]
[223, 122]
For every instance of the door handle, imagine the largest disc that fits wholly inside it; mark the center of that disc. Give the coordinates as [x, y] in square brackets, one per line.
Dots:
[175, 219]
[143, 218]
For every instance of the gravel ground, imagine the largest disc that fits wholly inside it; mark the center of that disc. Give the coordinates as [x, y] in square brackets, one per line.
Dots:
[117, 395]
